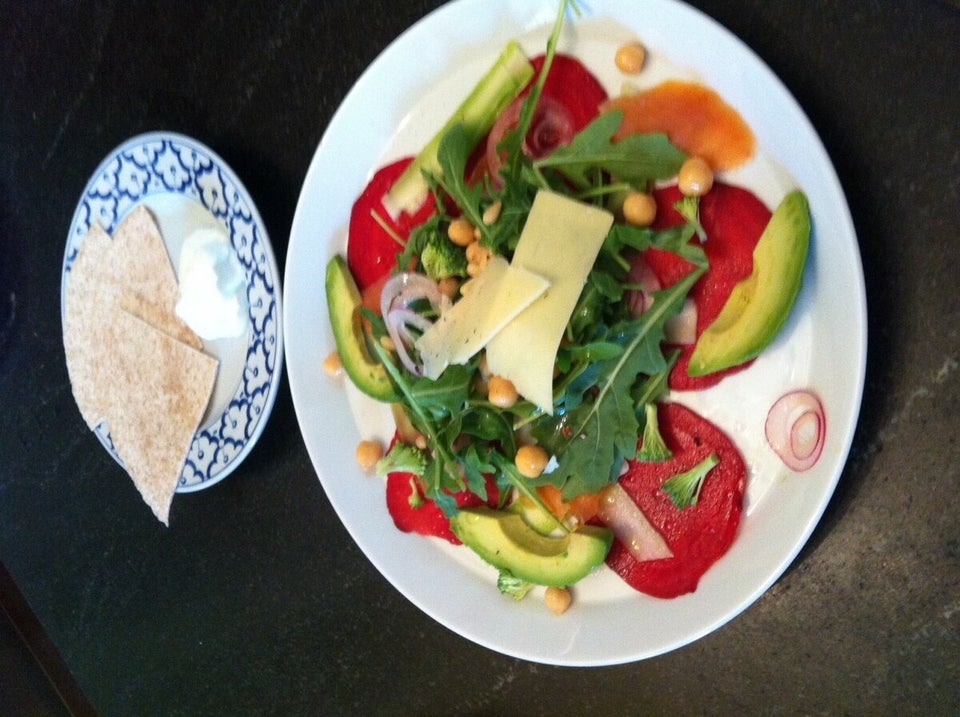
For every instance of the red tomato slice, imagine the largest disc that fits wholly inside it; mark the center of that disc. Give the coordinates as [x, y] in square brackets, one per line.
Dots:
[371, 251]
[697, 535]
[734, 218]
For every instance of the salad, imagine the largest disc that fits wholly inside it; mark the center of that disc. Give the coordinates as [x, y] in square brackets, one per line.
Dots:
[532, 290]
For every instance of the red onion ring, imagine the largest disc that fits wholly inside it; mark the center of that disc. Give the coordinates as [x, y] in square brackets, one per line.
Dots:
[398, 293]
[796, 429]
[630, 526]
[399, 323]
[404, 288]
[552, 127]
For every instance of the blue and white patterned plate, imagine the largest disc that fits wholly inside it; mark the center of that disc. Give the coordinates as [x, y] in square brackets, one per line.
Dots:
[188, 187]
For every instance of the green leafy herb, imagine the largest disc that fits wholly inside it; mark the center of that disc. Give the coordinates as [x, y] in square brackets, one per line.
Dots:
[684, 488]
[638, 158]
[596, 437]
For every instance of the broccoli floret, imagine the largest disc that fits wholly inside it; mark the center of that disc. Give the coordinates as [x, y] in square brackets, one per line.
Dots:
[684, 488]
[442, 258]
[402, 457]
[513, 586]
[653, 449]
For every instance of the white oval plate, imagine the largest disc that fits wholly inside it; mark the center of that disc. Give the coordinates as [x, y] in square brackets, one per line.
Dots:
[398, 103]
[187, 187]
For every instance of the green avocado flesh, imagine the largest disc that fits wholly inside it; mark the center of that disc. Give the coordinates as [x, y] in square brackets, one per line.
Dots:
[344, 303]
[760, 304]
[507, 542]
[537, 517]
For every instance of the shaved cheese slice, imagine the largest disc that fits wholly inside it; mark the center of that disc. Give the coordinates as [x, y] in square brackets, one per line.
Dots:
[560, 241]
[496, 296]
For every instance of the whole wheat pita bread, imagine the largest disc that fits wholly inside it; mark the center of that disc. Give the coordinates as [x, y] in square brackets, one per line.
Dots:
[133, 364]
[158, 390]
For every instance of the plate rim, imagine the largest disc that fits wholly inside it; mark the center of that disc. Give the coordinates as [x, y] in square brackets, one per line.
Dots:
[268, 267]
[851, 399]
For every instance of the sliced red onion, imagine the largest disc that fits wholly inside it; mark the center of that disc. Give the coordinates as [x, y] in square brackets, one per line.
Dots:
[398, 324]
[397, 295]
[642, 275]
[630, 526]
[796, 429]
[403, 289]
[681, 328]
[552, 127]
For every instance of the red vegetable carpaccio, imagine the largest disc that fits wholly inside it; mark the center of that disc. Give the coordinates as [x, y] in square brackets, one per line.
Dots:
[371, 250]
[420, 515]
[699, 534]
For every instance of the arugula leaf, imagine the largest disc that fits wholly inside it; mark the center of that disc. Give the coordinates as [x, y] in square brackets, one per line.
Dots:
[656, 386]
[452, 155]
[475, 467]
[443, 471]
[444, 397]
[598, 435]
[638, 158]
[490, 424]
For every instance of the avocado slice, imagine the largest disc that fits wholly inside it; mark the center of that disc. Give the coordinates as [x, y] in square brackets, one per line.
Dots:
[759, 305]
[344, 302]
[536, 516]
[507, 542]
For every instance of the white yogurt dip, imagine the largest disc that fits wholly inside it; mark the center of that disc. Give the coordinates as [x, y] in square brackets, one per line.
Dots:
[213, 288]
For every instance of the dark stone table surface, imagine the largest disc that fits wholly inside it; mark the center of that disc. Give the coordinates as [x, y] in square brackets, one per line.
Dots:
[256, 600]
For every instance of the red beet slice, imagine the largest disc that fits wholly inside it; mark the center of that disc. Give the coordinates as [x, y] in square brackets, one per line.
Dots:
[699, 534]
[734, 218]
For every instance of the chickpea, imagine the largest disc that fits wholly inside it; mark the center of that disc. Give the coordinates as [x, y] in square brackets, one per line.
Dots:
[478, 256]
[630, 58]
[501, 392]
[368, 453]
[558, 600]
[449, 286]
[695, 178]
[461, 232]
[492, 213]
[531, 460]
[333, 365]
[639, 209]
